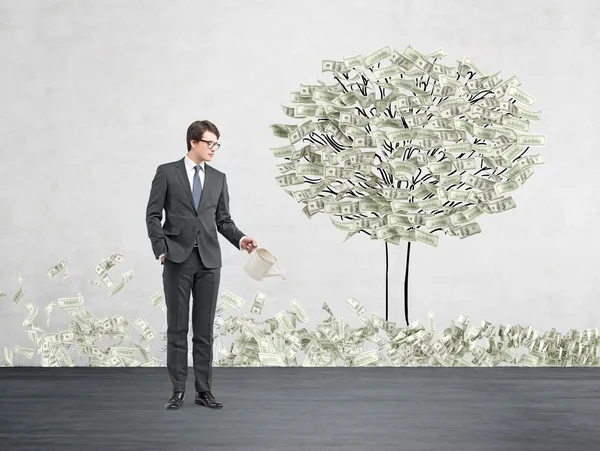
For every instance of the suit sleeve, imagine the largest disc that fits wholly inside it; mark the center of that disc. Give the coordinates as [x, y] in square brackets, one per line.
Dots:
[225, 224]
[154, 212]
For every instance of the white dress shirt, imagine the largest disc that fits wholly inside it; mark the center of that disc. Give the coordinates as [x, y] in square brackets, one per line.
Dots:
[189, 169]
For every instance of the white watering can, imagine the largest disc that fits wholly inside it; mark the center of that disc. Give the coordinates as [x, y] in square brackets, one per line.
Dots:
[262, 264]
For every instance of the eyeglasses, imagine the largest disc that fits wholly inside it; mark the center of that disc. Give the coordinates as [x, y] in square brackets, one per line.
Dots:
[211, 145]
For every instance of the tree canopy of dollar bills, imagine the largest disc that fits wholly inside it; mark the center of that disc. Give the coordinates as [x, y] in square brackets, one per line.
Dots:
[401, 146]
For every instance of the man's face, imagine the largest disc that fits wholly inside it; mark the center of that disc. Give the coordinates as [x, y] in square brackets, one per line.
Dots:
[203, 149]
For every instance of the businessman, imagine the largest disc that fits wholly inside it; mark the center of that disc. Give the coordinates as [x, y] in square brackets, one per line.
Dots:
[196, 203]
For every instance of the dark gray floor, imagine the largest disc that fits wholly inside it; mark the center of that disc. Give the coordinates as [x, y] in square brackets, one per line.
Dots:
[350, 409]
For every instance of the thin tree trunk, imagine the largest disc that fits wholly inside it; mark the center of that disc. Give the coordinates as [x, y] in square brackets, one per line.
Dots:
[386, 280]
[406, 284]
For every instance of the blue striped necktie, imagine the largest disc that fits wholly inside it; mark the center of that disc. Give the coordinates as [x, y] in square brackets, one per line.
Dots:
[197, 187]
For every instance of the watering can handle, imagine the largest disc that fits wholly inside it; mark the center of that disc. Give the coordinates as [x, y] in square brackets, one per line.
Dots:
[273, 271]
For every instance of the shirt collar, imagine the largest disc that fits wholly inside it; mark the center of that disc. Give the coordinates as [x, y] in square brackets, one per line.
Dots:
[189, 164]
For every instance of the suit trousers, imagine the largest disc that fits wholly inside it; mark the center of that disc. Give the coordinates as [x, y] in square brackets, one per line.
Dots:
[179, 279]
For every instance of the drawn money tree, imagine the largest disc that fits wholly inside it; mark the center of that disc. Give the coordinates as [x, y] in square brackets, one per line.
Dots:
[386, 147]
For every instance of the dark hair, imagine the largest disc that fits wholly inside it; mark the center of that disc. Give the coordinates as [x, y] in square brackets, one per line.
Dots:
[197, 129]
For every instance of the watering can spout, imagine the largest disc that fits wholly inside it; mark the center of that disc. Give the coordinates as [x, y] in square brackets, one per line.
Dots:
[273, 272]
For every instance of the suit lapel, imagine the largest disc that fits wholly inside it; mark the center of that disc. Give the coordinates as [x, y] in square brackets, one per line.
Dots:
[183, 179]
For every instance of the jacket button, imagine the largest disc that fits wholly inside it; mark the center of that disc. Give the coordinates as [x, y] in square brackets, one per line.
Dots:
[196, 214]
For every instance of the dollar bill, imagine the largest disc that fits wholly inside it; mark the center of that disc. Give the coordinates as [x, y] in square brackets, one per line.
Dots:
[231, 299]
[145, 329]
[56, 269]
[258, 303]
[127, 276]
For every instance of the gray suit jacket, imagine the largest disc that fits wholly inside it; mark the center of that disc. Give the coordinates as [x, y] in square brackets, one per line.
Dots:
[183, 223]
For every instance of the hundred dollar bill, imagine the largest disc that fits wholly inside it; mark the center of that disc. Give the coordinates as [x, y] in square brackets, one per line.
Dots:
[112, 260]
[501, 205]
[299, 311]
[303, 130]
[358, 307]
[27, 352]
[532, 140]
[289, 179]
[127, 276]
[365, 358]
[104, 276]
[56, 268]
[515, 123]
[426, 238]
[282, 130]
[258, 303]
[70, 303]
[317, 111]
[31, 310]
[8, 355]
[283, 152]
[346, 226]
[284, 321]
[520, 95]
[145, 329]
[231, 299]
[431, 317]
[157, 299]
[377, 56]
[354, 61]
[19, 294]
[269, 359]
[467, 230]
[288, 111]
[333, 66]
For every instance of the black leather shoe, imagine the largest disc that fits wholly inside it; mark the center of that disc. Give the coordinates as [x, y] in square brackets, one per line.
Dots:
[175, 401]
[206, 399]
